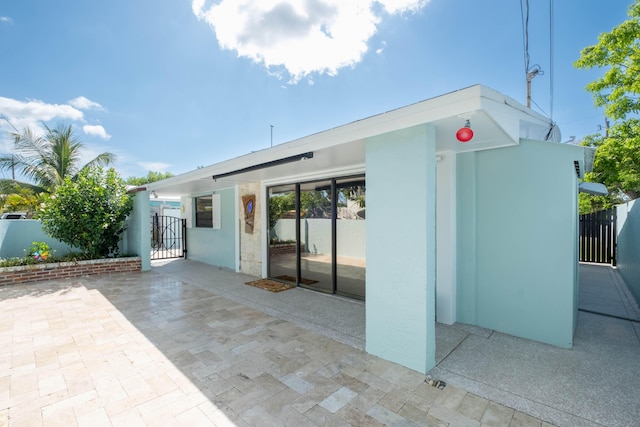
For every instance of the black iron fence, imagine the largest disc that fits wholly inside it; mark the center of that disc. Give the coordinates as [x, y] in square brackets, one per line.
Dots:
[168, 237]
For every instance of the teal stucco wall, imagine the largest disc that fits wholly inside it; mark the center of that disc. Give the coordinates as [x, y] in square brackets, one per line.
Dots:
[517, 242]
[628, 249]
[216, 246]
[400, 234]
[16, 236]
[137, 239]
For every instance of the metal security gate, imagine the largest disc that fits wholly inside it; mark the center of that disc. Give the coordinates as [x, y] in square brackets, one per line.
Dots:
[598, 237]
[168, 237]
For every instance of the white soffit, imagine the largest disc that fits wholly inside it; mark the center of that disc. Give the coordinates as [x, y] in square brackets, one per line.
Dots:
[496, 120]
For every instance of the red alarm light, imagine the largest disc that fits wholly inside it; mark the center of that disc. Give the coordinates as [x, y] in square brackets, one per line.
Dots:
[465, 133]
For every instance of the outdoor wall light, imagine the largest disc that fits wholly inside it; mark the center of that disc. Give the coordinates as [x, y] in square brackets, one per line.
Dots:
[465, 133]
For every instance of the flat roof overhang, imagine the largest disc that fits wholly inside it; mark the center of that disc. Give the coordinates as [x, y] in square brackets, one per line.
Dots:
[497, 121]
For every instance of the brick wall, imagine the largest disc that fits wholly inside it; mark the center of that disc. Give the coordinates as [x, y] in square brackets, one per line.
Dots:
[65, 270]
[288, 248]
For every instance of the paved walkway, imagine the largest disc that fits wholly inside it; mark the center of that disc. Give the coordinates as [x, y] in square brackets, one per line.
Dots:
[151, 349]
[596, 383]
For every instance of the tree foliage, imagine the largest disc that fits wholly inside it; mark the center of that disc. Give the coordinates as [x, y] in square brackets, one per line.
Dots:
[313, 204]
[48, 159]
[22, 200]
[619, 51]
[89, 212]
[278, 205]
[151, 177]
[15, 198]
[617, 161]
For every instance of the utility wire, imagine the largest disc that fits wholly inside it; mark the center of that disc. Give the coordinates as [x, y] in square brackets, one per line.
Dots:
[524, 16]
[551, 55]
[532, 71]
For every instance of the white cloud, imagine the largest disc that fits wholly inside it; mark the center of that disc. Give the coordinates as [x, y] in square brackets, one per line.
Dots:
[154, 166]
[6, 19]
[96, 130]
[299, 36]
[15, 114]
[401, 6]
[19, 115]
[38, 110]
[83, 103]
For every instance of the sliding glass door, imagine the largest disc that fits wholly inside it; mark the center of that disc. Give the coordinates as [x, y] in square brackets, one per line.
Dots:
[317, 235]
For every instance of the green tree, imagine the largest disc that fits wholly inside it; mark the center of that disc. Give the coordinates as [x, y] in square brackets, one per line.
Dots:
[315, 204]
[16, 198]
[278, 205]
[151, 177]
[21, 200]
[48, 159]
[89, 212]
[617, 161]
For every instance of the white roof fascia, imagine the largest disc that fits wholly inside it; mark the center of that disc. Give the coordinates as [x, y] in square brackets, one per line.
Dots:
[501, 108]
[514, 119]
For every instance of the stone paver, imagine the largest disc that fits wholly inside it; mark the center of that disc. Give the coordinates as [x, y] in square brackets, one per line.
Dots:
[149, 350]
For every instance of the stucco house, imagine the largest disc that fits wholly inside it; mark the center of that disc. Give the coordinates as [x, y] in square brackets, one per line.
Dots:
[396, 211]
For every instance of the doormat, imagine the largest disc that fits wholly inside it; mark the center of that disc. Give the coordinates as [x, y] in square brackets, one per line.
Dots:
[293, 279]
[270, 285]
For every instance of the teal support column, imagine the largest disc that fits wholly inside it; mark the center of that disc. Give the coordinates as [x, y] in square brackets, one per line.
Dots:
[401, 241]
[139, 229]
[466, 247]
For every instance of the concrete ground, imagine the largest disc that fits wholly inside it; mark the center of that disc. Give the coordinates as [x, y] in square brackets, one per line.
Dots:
[175, 347]
[597, 382]
[189, 344]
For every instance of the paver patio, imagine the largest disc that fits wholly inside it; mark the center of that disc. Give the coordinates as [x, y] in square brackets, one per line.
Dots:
[151, 350]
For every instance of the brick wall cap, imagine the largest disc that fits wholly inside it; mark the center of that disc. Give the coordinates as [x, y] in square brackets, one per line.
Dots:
[56, 265]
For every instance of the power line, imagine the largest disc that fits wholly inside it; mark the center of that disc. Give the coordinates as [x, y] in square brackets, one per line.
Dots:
[530, 71]
[551, 55]
[524, 16]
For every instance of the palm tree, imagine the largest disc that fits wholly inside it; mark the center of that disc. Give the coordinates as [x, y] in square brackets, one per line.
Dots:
[48, 159]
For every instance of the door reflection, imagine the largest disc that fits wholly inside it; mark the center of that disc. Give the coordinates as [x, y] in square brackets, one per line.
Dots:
[350, 237]
[282, 234]
[315, 236]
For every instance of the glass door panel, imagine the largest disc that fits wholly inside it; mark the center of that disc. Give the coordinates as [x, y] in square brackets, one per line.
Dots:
[282, 234]
[315, 236]
[350, 238]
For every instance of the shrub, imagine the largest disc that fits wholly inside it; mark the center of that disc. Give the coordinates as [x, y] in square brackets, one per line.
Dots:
[89, 211]
[16, 262]
[28, 260]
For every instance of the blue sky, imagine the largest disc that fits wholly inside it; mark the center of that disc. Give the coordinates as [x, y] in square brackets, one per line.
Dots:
[176, 84]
